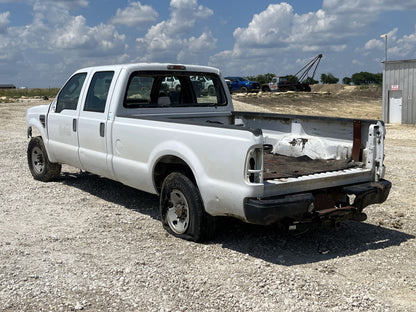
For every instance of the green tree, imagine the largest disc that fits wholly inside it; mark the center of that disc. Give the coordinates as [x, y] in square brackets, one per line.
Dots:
[366, 78]
[329, 79]
[261, 78]
[311, 81]
[346, 80]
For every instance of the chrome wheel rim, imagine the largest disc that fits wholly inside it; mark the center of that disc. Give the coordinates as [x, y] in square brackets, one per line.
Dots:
[178, 212]
[38, 161]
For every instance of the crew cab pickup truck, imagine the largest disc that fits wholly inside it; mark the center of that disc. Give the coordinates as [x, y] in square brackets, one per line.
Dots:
[241, 84]
[203, 158]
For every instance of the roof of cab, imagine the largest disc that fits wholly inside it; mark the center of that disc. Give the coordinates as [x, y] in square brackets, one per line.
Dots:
[154, 66]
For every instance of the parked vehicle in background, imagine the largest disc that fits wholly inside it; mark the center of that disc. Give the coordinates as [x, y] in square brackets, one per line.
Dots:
[228, 82]
[205, 85]
[241, 84]
[297, 82]
[283, 84]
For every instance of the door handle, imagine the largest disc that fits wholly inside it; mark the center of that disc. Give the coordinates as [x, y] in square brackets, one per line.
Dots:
[74, 125]
[102, 128]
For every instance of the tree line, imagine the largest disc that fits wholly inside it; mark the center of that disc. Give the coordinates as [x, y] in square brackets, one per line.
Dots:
[361, 78]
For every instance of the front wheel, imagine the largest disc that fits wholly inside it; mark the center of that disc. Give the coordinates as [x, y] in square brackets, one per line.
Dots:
[182, 211]
[243, 90]
[39, 165]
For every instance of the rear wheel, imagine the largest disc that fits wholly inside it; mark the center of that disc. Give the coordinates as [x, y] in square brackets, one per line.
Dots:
[39, 165]
[182, 211]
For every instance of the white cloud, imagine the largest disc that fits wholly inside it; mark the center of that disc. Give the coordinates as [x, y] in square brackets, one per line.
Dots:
[135, 15]
[57, 40]
[375, 6]
[374, 44]
[184, 15]
[4, 22]
[205, 42]
[267, 28]
[404, 47]
[171, 40]
[278, 33]
[81, 40]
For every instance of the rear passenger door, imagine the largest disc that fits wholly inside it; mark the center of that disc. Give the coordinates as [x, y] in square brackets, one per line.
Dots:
[93, 135]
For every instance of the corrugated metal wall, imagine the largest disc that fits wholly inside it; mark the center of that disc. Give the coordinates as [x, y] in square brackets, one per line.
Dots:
[400, 76]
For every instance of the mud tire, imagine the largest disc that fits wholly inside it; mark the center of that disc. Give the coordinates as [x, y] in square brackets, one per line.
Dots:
[39, 165]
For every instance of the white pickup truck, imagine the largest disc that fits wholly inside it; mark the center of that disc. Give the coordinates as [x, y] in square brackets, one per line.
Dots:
[203, 158]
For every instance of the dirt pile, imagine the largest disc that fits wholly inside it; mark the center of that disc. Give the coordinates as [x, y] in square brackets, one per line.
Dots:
[327, 100]
[372, 91]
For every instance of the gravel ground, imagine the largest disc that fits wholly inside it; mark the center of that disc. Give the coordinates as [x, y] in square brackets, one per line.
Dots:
[87, 243]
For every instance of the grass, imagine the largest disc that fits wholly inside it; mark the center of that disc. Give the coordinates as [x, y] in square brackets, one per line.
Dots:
[18, 93]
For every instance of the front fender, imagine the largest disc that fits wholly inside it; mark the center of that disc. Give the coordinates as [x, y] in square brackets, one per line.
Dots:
[36, 122]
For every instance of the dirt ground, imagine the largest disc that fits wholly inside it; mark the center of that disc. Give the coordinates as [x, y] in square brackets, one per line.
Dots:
[329, 100]
[87, 243]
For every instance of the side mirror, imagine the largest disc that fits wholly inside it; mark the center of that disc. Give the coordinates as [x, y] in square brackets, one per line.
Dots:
[52, 106]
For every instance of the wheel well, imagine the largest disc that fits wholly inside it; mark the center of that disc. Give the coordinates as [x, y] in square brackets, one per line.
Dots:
[168, 164]
[33, 132]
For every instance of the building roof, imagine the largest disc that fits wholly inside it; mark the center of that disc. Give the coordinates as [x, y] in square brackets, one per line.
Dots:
[7, 86]
[399, 61]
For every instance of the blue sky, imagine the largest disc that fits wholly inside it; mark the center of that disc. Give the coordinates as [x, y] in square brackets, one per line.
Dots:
[42, 42]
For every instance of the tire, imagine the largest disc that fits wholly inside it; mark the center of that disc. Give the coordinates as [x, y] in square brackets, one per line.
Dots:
[243, 90]
[266, 89]
[211, 90]
[39, 165]
[182, 211]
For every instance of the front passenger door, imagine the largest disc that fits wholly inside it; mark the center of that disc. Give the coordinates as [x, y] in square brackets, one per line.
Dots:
[63, 122]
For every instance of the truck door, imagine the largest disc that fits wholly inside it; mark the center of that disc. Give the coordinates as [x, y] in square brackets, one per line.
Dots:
[274, 83]
[63, 122]
[93, 133]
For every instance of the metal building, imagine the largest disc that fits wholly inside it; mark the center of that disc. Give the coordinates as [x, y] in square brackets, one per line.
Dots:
[399, 92]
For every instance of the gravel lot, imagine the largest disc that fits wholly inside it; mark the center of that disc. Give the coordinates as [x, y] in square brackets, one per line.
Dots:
[87, 243]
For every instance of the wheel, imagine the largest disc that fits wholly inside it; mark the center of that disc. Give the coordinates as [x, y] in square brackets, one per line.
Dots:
[39, 165]
[182, 211]
[243, 90]
[211, 90]
[265, 89]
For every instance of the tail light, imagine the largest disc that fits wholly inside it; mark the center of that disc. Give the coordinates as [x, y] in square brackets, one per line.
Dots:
[254, 165]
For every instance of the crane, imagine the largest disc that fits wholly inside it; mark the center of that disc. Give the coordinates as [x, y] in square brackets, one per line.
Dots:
[284, 83]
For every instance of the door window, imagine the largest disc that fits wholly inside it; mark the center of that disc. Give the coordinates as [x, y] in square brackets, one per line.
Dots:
[69, 95]
[98, 92]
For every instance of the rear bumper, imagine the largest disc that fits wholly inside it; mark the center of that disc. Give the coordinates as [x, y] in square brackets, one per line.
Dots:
[269, 210]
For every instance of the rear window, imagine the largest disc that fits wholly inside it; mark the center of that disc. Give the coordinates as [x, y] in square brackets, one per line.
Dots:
[174, 89]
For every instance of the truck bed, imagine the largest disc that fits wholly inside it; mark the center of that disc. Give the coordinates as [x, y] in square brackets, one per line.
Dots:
[280, 166]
